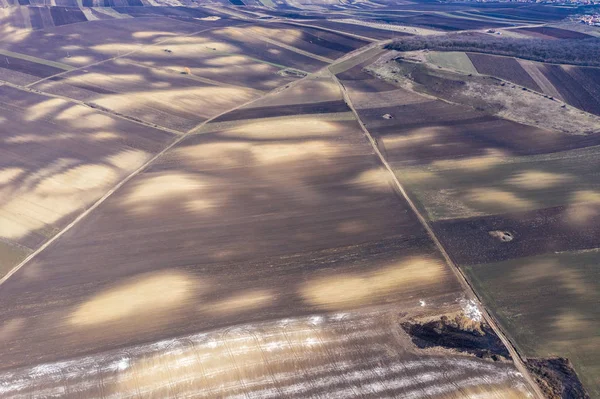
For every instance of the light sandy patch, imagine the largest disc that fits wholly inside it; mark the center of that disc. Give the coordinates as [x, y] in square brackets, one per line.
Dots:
[150, 34]
[306, 92]
[480, 163]
[206, 101]
[351, 227]
[85, 118]
[150, 191]
[37, 138]
[420, 136]
[83, 177]
[285, 128]
[583, 207]
[9, 174]
[199, 205]
[148, 295]
[128, 159]
[286, 153]
[374, 179]
[223, 154]
[99, 79]
[102, 136]
[44, 109]
[572, 280]
[571, 322]
[11, 328]
[78, 60]
[536, 180]
[359, 289]
[505, 200]
[242, 302]
[228, 60]
[57, 191]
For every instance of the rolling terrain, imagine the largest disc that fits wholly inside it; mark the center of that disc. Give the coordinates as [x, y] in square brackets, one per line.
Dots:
[250, 199]
[515, 204]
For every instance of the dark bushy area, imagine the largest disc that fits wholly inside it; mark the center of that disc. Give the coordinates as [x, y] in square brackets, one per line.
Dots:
[567, 51]
[556, 378]
[459, 333]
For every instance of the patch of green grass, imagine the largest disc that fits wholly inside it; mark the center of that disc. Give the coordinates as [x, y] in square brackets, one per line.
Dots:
[487, 186]
[549, 305]
[455, 60]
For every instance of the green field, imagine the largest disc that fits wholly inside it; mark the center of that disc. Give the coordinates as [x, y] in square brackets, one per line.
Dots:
[549, 305]
[490, 185]
[455, 60]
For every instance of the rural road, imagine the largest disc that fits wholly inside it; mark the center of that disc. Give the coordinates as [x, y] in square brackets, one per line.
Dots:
[461, 277]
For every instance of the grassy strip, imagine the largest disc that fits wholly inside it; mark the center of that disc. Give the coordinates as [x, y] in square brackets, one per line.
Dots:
[42, 61]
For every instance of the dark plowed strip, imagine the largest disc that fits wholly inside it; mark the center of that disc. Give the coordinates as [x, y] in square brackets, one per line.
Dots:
[504, 68]
[459, 132]
[562, 228]
[556, 32]
[28, 67]
[572, 91]
[35, 17]
[288, 110]
[66, 15]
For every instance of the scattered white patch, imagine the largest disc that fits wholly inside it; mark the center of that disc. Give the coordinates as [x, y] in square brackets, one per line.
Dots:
[422, 303]
[339, 316]
[123, 364]
[272, 346]
[316, 320]
[212, 344]
[311, 341]
[471, 310]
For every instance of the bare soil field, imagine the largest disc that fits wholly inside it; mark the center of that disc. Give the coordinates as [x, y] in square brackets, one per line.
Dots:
[556, 33]
[345, 354]
[218, 205]
[364, 31]
[444, 23]
[579, 87]
[287, 110]
[506, 68]
[47, 176]
[66, 15]
[94, 41]
[162, 97]
[470, 241]
[319, 42]
[268, 252]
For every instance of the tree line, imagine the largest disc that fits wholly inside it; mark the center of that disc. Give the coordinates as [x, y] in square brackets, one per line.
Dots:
[584, 52]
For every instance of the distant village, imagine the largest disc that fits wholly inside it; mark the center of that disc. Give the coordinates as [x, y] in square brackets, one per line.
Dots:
[593, 19]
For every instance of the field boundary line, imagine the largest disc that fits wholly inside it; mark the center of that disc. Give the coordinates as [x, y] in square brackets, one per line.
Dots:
[94, 107]
[178, 139]
[189, 76]
[291, 48]
[339, 32]
[517, 360]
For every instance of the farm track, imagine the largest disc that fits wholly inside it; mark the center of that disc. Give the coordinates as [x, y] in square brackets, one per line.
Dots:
[457, 271]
